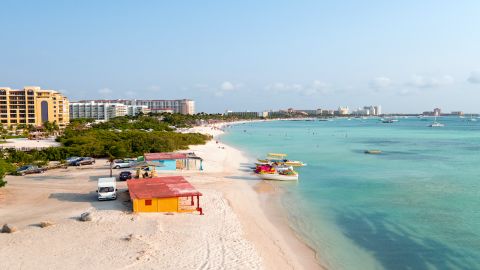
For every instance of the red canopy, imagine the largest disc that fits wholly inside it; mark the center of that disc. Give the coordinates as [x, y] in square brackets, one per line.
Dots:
[161, 187]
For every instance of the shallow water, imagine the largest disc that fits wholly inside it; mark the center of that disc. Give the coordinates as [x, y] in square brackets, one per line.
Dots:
[415, 206]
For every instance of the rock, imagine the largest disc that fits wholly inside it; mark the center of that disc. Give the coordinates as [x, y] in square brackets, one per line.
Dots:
[129, 237]
[44, 224]
[9, 228]
[87, 216]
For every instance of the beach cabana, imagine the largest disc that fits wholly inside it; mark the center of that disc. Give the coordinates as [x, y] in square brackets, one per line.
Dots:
[164, 194]
[175, 161]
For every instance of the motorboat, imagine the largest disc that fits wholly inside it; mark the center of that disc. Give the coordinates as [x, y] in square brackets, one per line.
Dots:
[278, 177]
[276, 172]
[373, 152]
[436, 124]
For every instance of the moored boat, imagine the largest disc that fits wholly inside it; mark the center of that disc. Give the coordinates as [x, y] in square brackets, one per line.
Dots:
[280, 159]
[436, 124]
[276, 172]
[278, 177]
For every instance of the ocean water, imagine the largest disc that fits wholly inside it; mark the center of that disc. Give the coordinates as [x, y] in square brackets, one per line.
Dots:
[415, 206]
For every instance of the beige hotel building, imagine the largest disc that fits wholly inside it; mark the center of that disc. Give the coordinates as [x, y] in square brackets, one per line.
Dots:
[32, 106]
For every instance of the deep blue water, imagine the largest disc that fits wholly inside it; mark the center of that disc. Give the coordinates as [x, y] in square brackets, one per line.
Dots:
[415, 206]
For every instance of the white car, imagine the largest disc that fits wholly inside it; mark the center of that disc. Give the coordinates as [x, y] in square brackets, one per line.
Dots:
[122, 163]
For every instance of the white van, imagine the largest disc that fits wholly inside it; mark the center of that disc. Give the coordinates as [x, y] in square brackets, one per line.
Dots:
[107, 188]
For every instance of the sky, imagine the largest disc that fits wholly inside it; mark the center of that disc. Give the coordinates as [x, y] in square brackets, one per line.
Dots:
[407, 56]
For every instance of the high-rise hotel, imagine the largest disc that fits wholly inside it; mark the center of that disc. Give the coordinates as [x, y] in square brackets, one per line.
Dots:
[183, 106]
[32, 106]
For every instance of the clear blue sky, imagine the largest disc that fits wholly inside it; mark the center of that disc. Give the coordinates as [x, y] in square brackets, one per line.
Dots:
[408, 56]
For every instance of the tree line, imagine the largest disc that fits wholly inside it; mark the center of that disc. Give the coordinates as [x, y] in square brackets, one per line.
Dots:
[118, 138]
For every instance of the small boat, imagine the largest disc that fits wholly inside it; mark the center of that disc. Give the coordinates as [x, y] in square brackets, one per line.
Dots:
[280, 159]
[387, 121]
[436, 124]
[276, 172]
[278, 177]
[373, 152]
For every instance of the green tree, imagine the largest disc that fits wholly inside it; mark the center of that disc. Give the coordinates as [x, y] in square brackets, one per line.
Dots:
[5, 167]
[4, 132]
[115, 152]
[48, 127]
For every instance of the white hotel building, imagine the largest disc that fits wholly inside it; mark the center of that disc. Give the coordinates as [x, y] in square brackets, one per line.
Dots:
[183, 106]
[103, 111]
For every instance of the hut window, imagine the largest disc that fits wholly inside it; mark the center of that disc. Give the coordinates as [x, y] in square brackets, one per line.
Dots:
[148, 202]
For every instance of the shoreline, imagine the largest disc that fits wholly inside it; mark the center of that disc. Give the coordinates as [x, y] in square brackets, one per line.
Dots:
[243, 227]
[283, 239]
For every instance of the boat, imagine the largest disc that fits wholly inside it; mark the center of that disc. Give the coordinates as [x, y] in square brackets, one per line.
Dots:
[276, 172]
[472, 119]
[436, 124]
[280, 159]
[387, 121]
[373, 152]
[278, 177]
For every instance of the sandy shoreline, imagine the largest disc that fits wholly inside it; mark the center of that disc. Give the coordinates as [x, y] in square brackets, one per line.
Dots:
[234, 233]
[281, 240]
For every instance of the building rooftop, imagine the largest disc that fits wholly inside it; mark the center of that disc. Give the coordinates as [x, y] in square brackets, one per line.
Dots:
[161, 187]
[164, 156]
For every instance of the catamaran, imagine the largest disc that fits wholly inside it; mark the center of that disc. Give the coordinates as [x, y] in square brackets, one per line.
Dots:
[281, 159]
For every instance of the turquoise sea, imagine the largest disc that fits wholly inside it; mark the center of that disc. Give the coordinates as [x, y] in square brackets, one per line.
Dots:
[415, 206]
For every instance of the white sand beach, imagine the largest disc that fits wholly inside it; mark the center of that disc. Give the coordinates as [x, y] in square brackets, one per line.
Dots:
[236, 232]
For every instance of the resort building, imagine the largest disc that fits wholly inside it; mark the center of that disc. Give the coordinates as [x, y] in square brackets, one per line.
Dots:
[175, 161]
[104, 111]
[307, 112]
[164, 194]
[32, 106]
[368, 110]
[245, 114]
[183, 106]
[435, 112]
[458, 113]
[342, 111]
[135, 110]
[325, 112]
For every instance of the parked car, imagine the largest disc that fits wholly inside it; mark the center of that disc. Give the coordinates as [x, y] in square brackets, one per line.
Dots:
[124, 176]
[84, 161]
[29, 169]
[71, 160]
[121, 163]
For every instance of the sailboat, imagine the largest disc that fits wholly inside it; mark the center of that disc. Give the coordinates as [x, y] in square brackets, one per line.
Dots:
[436, 124]
[472, 119]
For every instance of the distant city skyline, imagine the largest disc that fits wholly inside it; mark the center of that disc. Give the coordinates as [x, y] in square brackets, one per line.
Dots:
[409, 56]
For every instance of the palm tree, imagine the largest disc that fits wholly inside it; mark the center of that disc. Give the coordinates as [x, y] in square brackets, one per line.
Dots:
[115, 152]
[4, 133]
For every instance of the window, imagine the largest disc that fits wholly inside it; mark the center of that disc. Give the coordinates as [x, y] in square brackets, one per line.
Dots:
[148, 202]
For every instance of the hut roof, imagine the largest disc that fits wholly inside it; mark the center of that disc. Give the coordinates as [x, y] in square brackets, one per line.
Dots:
[164, 156]
[161, 187]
